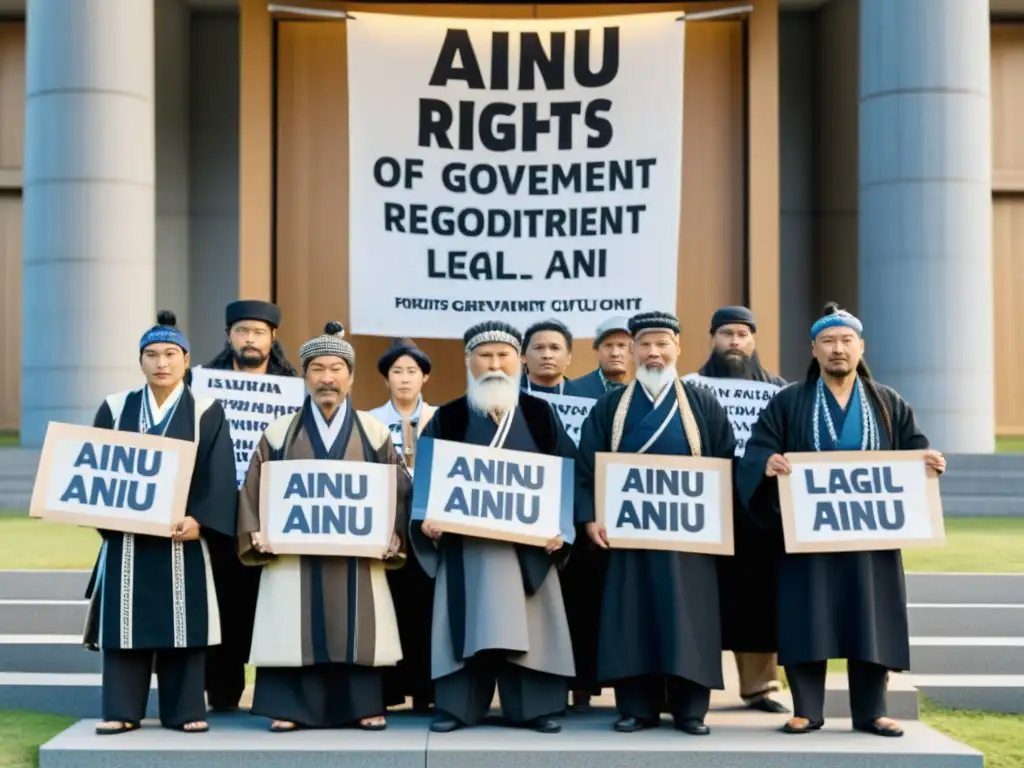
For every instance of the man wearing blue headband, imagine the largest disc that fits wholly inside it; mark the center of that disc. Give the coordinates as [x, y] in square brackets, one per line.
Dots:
[835, 605]
[153, 597]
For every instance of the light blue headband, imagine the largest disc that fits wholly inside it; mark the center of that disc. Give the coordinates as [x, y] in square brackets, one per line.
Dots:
[836, 319]
[162, 334]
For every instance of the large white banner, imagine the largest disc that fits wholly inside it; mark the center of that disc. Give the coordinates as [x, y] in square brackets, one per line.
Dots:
[513, 169]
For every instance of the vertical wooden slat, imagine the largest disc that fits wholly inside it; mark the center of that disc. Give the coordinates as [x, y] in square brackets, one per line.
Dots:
[10, 310]
[1008, 267]
[12, 95]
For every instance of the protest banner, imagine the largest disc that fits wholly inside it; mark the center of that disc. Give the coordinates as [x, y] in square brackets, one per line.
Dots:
[333, 508]
[674, 503]
[743, 402]
[850, 501]
[112, 480]
[493, 493]
[571, 410]
[512, 169]
[251, 402]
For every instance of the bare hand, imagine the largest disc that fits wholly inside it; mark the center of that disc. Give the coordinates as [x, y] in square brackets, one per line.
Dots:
[554, 545]
[430, 529]
[935, 461]
[186, 530]
[393, 547]
[258, 543]
[598, 535]
[777, 465]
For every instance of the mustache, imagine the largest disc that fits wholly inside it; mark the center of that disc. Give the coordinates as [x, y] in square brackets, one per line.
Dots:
[497, 376]
[328, 388]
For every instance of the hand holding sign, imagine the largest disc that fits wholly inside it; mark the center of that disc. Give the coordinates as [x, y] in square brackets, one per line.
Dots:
[185, 530]
[777, 465]
[393, 547]
[935, 461]
[597, 534]
[430, 530]
[554, 545]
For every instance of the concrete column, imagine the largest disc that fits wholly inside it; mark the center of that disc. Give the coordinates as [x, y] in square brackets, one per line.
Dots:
[926, 212]
[88, 283]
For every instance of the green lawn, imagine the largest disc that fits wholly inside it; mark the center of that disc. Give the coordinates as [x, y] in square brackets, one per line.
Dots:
[1007, 444]
[8, 439]
[22, 733]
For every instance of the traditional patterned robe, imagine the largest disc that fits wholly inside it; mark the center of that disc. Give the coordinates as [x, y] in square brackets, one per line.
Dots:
[149, 592]
[489, 595]
[319, 610]
[659, 611]
[836, 605]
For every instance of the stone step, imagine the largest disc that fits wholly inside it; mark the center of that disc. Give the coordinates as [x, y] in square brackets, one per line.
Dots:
[737, 740]
[982, 506]
[959, 588]
[42, 617]
[982, 484]
[43, 585]
[966, 620]
[984, 693]
[967, 655]
[72, 695]
[998, 462]
[47, 653]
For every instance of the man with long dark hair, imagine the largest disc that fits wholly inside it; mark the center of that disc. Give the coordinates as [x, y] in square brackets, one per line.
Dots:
[835, 605]
[747, 580]
[252, 347]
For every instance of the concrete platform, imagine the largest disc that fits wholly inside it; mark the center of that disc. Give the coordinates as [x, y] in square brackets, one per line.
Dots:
[967, 655]
[41, 617]
[952, 588]
[984, 693]
[964, 619]
[43, 585]
[587, 741]
[73, 695]
[47, 653]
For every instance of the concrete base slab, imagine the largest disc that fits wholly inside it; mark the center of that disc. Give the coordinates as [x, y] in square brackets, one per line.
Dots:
[62, 654]
[39, 617]
[587, 741]
[43, 585]
[984, 693]
[967, 655]
[73, 695]
[950, 588]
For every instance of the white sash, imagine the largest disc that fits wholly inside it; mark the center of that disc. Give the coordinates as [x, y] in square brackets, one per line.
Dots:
[682, 404]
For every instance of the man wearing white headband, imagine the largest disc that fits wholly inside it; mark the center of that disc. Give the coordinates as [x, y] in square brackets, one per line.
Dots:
[499, 617]
[660, 640]
[835, 605]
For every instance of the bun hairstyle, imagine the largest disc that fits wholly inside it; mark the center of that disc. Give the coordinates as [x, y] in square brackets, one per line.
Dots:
[166, 318]
[830, 309]
[334, 328]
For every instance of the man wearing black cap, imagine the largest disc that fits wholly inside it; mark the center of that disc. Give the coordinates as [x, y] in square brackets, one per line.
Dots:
[252, 347]
[660, 639]
[747, 580]
[613, 345]
[547, 352]
[406, 368]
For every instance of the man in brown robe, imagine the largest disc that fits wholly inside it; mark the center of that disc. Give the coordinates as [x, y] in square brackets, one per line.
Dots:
[325, 626]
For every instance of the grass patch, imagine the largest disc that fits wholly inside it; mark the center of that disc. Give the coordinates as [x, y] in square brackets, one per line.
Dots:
[974, 545]
[1010, 444]
[33, 545]
[22, 733]
[997, 736]
[9, 439]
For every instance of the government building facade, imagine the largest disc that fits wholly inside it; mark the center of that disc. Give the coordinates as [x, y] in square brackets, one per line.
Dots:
[182, 154]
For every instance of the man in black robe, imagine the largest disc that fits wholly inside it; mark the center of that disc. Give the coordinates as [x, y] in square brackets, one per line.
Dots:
[747, 581]
[252, 347]
[660, 637]
[835, 605]
[499, 616]
[135, 617]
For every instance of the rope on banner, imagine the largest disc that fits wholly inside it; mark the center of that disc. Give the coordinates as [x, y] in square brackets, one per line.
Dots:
[736, 10]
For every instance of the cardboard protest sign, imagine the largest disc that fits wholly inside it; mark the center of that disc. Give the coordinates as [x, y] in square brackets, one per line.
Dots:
[334, 508]
[112, 480]
[571, 410]
[493, 493]
[251, 403]
[743, 402]
[675, 503]
[848, 501]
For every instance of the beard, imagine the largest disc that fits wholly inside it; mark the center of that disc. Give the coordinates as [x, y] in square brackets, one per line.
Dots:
[655, 380]
[735, 364]
[492, 392]
[248, 358]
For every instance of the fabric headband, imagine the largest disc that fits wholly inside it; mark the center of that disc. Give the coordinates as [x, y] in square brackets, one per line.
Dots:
[162, 334]
[840, 318]
[493, 337]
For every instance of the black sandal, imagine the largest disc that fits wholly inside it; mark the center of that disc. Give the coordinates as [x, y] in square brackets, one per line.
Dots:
[810, 727]
[277, 727]
[184, 728]
[877, 729]
[124, 727]
[371, 726]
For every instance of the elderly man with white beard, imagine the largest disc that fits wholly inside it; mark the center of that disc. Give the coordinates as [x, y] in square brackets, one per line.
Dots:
[659, 642]
[498, 617]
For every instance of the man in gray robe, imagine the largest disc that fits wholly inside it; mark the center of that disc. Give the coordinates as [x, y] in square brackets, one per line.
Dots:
[498, 612]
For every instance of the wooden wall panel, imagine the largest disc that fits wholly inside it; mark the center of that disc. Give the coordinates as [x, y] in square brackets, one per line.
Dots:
[1008, 107]
[10, 311]
[1008, 267]
[12, 103]
[312, 195]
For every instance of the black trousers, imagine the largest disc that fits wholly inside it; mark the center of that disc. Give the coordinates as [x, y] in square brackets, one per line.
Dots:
[645, 698]
[525, 694]
[320, 695]
[237, 588]
[867, 690]
[179, 672]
